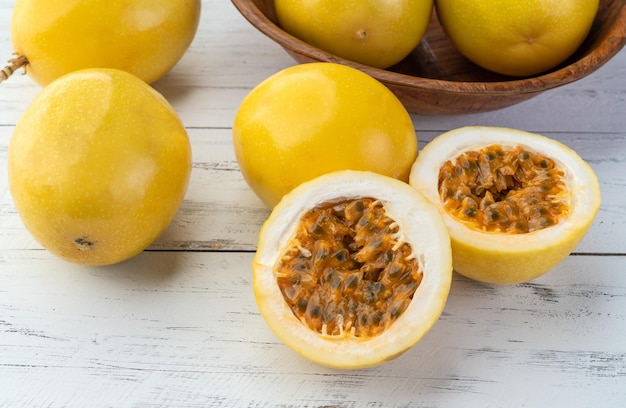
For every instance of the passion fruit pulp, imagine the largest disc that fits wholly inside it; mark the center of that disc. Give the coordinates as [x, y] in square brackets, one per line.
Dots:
[347, 270]
[515, 203]
[352, 268]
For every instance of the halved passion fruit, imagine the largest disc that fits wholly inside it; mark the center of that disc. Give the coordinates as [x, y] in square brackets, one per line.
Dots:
[516, 203]
[352, 268]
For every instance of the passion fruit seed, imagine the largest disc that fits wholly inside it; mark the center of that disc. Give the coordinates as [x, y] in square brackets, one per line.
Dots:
[347, 272]
[508, 190]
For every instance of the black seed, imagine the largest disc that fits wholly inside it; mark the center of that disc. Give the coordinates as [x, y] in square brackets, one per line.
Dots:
[394, 271]
[378, 287]
[363, 221]
[376, 318]
[397, 308]
[302, 305]
[315, 312]
[352, 282]
[335, 283]
[341, 255]
[321, 252]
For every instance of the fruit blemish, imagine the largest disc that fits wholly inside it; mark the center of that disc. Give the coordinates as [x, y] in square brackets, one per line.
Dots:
[83, 243]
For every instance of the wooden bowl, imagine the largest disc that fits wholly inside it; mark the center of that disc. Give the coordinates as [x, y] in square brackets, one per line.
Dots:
[435, 79]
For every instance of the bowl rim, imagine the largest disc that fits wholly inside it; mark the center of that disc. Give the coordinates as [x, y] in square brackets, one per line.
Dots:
[608, 47]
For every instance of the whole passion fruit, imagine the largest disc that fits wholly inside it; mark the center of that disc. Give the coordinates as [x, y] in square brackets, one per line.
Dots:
[352, 268]
[312, 119]
[516, 203]
[98, 166]
[377, 33]
[143, 37]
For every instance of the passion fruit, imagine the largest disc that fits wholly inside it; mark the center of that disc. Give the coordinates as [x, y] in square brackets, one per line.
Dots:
[312, 119]
[352, 268]
[98, 166]
[146, 38]
[515, 203]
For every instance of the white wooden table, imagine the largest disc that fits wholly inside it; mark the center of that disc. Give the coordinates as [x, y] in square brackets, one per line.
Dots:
[177, 326]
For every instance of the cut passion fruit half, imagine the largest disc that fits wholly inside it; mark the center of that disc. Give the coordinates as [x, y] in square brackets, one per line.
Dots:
[516, 203]
[352, 268]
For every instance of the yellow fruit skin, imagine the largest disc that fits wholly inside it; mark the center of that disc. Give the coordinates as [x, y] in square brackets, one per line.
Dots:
[311, 119]
[98, 166]
[378, 33]
[144, 37]
[517, 38]
[512, 267]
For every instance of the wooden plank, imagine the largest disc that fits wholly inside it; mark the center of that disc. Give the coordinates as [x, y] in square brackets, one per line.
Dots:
[182, 329]
[177, 326]
[229, 57]
[220, 211]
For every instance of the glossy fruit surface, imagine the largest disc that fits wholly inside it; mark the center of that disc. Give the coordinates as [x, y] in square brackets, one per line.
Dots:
[377, 33]
[516, 203]
[517, 38]
[311, 119]
[98, 166]
[352, 269]
[143, 37]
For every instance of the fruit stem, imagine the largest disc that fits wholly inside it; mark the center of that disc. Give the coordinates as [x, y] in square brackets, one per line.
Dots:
[20, 61]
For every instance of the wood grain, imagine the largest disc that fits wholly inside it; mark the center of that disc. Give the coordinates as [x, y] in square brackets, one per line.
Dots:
[220, 212]
[182, 330]
[177, 326]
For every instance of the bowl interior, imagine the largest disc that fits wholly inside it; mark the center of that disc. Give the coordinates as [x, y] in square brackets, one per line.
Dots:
[436, 79]
[436, 58]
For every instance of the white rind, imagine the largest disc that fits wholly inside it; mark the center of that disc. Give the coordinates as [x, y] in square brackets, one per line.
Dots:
[423, 229]
[579, 177]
